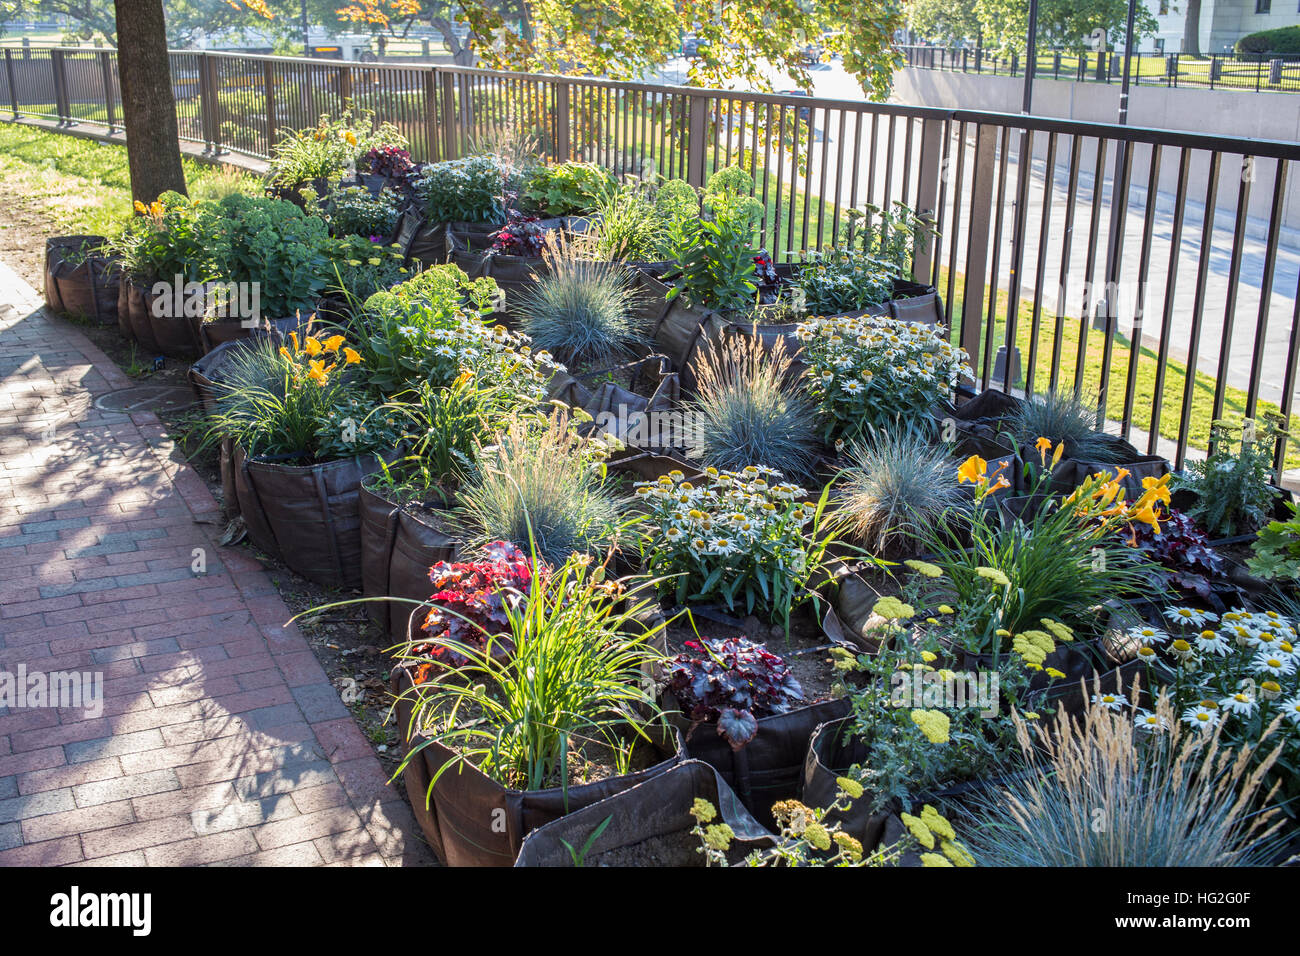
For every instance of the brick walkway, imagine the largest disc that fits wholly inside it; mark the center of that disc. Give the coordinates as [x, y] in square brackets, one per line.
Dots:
[221, 739]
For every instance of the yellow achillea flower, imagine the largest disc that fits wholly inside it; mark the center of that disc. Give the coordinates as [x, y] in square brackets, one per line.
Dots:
[892, 608]
[994, 575]
[933, 723]
[918, 829]
[1040, 639]
[940, 827]
[849, 844]
[718, 836]
[934, 859]
[1059, 630]
[945, 609]
[816, 835]
[929, 656]
[925, 568]
[957, 853]
[702, 810]
[849, 786]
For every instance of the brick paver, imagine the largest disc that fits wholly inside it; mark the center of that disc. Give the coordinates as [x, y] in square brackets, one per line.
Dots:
[221, 740]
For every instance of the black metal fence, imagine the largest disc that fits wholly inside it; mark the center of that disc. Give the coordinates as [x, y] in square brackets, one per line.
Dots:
[1215, 71]
[1143, 267]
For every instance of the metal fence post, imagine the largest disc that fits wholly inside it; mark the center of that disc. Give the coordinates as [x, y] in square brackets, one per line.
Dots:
[13, 86]
[977, 245]
[345, 85]
[927, 195]
[450, 134]
[563, 143]
[106, 69]
[268, 96]
[60, 88]
[433, 149]
[695, 144]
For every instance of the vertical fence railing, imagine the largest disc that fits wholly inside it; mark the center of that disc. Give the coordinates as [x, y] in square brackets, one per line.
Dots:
[1143, 268]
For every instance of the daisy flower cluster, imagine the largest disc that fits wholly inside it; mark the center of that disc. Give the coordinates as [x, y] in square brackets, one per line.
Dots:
[865, 371]
[491, 353]
[1239, 669]
[733, 536]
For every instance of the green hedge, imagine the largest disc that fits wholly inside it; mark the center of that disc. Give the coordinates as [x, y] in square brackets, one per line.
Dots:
[1281, 40]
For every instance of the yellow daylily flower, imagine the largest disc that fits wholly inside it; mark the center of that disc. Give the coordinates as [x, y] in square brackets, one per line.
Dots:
[972, 470]
[350, 357]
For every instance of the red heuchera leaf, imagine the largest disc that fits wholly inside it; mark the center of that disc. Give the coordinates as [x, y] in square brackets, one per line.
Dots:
[469, 598]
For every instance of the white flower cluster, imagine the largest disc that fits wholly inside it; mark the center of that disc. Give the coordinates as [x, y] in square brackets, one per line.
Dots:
[493, 351]
[1237, 664]
[874, 365]
[750, 512]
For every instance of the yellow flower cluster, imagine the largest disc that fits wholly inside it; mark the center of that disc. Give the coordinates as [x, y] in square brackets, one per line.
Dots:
[933, 723]
[310, 356]
[975, 470]
[893, 609]
[155, 210]
[1102, 496]
[1033, 646]
[931, 828]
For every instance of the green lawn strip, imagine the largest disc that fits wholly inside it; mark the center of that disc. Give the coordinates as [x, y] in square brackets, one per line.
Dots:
[1234, 403]
[83, 184]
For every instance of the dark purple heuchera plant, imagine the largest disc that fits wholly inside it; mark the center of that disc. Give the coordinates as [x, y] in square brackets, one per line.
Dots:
[731, 682]
[391, 161]
[1182, 550]
[522, 235]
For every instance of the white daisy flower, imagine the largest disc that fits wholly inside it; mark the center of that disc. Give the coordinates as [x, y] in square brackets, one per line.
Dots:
[1292, 709]
[1149, 722]
[1201, 717]
[1148, 635]
[1212, 642]
[1190, 615]
[1239, 703]
[1273, 663]
[1110, 701]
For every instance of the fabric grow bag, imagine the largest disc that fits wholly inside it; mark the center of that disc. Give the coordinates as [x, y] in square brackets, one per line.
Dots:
[829, 757]
[174, 336]
[88, 289]
[471, 820]
[621, 411]
[659, 807]
[397, 550]
[305, 515]
[768, 768]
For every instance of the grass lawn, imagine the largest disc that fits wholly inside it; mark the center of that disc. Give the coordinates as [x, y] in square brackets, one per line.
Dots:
[1234, 405]
[79, 185]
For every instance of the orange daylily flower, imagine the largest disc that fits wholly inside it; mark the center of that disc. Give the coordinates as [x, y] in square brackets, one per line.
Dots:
[333, 343]
[351, 357]
[312, 346]
[972, 470]
[317, 372]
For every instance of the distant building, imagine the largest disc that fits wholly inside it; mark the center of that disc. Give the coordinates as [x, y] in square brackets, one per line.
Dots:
[1222, 22]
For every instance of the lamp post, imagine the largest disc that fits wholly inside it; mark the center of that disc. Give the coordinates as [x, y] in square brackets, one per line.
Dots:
[1031, 55]
[1128, 63]
[306, 31]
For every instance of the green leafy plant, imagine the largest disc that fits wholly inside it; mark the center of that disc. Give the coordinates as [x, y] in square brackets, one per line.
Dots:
[565, 189]
[632, 224]
[887, 237]
[462, 190]
[746, 538]
[1232, 489]
[582, 311]
[749, 409]
[361, 268]
[572, 677]
[898, 482]
[274, 244]
[167, 238]
[325, 151]
[545, 484]
[1277, 549]
[714, 246]
[353, 211]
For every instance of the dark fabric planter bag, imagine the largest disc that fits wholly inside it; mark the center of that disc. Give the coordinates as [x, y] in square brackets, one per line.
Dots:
[473, 820]
[89, 289]
[173, 336]
[768, 768]
[305, 515]
[659, 807]
[397, 550]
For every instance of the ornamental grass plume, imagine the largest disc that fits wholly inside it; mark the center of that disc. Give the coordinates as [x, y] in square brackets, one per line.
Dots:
[1103, 791]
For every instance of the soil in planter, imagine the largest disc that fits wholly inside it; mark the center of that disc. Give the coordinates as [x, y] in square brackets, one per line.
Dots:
[671, 849]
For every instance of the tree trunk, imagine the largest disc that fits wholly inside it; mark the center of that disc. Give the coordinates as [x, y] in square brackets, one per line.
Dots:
[148, 103]
[1192, 28]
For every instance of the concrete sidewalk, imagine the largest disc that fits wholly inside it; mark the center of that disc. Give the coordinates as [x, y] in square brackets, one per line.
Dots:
[221, 739]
